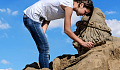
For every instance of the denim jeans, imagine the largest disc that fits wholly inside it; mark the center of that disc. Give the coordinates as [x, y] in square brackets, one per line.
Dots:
[40, 39]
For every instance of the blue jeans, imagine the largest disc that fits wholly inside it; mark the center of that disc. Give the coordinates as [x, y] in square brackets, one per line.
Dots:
[40, 39]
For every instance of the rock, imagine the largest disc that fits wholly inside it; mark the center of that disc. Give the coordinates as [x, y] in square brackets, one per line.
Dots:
[104, 57]
[34, 66]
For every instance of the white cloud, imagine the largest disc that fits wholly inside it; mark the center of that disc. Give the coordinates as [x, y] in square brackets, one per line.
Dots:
[7, 69]
[56, 23]
[8, 11]
[110, 12]
[4, 26]
[75, 18]
[68, 40]
[115, 26]
[4, 35]
[2, 10]
[4, 62]
[60, 22]
[14, 12]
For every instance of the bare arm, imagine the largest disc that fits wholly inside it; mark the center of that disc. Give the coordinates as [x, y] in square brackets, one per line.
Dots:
[45, 26]
[68, 31]
[67, 25]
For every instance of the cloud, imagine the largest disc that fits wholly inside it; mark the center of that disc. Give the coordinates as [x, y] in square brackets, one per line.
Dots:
[114, 24]
[2, 10]
[60, 22]
[7, 69]
[56, 23]
[9, 11]
[4, 62]
[69, 40]
[110, 12]
[4, 35]
[4, 26]
[14, 12]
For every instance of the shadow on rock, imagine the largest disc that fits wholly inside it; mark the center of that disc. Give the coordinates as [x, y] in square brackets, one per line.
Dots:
[33, 65]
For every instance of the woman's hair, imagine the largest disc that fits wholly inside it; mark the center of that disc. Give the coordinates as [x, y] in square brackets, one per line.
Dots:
[87, 4]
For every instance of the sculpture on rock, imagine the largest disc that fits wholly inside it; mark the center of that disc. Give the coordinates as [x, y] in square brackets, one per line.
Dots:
[92, 29]
[106, 52]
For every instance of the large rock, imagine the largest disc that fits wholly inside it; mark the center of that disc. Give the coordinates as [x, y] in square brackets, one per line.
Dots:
[104, 56]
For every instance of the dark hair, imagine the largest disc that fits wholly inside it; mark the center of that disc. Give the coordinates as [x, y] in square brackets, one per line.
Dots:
[87, 4]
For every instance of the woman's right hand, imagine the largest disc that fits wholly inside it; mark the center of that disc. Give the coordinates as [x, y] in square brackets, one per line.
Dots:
[87, 44]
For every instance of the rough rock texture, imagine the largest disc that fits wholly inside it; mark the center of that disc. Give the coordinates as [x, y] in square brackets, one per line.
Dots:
[92, 29]
[34, 66]
[104, 56]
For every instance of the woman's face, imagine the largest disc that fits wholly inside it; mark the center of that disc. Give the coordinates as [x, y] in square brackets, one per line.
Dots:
[81, 11]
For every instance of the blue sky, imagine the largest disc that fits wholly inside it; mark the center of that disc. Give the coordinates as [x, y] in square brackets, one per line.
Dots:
[17, 47]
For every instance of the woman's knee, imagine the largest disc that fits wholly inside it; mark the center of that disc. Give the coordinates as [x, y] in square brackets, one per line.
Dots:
[44, 48]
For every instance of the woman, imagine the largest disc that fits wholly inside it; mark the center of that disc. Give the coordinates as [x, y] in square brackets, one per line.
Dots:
[38, 16]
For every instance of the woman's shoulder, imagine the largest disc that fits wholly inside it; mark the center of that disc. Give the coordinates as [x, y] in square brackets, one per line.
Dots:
[68, 3]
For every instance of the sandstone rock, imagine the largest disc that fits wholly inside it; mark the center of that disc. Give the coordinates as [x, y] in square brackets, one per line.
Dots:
[34, 66]
[104, 57]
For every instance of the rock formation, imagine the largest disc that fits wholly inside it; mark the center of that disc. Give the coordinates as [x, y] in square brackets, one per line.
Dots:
[104, 56]
[92, 29]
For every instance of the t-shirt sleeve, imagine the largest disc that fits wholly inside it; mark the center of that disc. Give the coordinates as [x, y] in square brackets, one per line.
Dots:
[68, 3]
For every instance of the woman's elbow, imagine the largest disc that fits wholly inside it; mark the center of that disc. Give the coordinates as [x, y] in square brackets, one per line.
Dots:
[66, 31]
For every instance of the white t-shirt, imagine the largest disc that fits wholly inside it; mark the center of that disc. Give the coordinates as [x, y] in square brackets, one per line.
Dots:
[49, 9]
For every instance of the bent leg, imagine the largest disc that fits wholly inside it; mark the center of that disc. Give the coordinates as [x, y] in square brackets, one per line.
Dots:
[40, 40]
